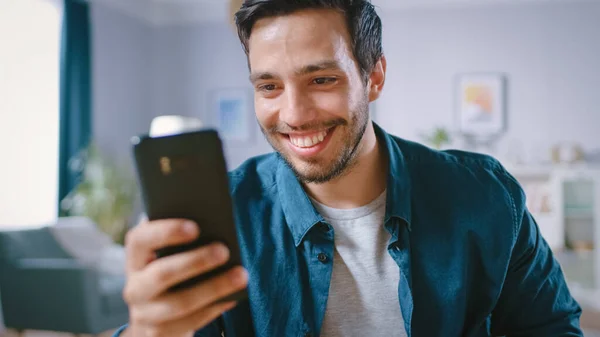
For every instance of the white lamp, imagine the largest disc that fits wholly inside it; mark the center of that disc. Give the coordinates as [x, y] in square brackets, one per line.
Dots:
[173, 124]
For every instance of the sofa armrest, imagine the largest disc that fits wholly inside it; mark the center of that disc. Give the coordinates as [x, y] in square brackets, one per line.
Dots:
[48, 264]
[56, 289]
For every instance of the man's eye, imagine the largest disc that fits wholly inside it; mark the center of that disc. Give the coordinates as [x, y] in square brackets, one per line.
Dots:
[267, 87]
[324, 80]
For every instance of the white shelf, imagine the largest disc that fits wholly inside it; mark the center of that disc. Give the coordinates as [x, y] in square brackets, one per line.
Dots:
[579, 214]
[551, 229]
[530, 171]
[549, 169]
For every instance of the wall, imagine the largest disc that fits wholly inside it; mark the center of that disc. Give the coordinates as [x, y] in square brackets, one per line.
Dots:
[549, 51]
[142, 71]
[29, 102]
[123, 68]
[192, 63]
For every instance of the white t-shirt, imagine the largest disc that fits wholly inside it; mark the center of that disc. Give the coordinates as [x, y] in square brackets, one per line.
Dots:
[363, 295]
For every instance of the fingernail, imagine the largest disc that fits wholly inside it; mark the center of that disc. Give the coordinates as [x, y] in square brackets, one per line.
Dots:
[239, 277]
[191, 228]
[220, 252]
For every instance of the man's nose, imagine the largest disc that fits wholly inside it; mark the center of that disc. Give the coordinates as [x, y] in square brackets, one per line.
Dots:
[297, 109]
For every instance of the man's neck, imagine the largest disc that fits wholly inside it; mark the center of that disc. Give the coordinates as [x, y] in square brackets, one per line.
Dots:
[362, 183]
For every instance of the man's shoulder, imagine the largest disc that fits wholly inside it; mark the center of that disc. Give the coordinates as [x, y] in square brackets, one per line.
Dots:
[417, 154]
[450, 162]
[455, 172]
[255, 174]
[464, 191]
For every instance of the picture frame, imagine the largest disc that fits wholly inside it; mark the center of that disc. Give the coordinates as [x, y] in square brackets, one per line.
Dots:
[232, 110]
[481, 104]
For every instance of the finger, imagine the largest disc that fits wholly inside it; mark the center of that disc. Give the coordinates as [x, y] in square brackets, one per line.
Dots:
[186, 326]
[142, 241]
[174, 306]
[168, 271]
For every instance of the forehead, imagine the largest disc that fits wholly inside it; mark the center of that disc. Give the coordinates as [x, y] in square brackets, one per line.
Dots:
[298, 39]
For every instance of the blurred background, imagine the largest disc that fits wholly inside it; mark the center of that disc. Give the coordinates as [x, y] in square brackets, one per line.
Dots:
[516, 79]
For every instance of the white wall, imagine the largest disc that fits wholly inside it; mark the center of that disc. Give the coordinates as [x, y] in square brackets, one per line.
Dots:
[193, 62]
[29, 110]
[549, 51]
[123, 77]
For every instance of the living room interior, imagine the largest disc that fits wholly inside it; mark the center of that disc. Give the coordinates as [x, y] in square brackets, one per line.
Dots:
[514, 79]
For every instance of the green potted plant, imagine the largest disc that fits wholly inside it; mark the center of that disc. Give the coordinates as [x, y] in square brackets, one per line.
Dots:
[106, 193]
[438, 138]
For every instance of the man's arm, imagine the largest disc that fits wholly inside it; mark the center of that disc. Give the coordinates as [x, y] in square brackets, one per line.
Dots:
[535, 300]
[212, 330]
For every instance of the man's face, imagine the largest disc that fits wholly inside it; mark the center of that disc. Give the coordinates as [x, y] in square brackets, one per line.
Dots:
[310, 99]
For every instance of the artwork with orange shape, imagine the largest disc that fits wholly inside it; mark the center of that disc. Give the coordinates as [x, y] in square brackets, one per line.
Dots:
[481, 106]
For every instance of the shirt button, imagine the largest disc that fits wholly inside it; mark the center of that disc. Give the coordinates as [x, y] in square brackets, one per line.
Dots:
[322, 257]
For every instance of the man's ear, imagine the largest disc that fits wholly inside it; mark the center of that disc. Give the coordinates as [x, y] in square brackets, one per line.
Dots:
[377, 79]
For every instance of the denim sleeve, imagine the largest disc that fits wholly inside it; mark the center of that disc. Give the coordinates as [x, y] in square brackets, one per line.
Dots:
[212, 330]
[535, 300]
[119, 331]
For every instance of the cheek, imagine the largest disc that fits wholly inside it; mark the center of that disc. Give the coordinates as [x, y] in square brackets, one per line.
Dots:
[333, 103]
[266, 111]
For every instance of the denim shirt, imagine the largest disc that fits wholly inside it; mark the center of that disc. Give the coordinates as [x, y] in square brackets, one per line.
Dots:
[471, 259]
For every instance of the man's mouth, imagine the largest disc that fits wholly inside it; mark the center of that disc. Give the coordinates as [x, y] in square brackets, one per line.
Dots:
[308, 140]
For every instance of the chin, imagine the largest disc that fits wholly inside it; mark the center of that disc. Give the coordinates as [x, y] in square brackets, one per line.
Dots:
[314, 172]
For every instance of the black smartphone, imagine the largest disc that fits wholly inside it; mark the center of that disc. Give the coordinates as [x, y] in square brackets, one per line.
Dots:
[184, 176]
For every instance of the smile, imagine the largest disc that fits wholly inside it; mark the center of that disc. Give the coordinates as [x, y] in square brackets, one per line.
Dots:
[309, 144]
[310, 140]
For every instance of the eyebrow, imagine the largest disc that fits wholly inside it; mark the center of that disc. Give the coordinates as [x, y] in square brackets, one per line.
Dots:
[308, 69]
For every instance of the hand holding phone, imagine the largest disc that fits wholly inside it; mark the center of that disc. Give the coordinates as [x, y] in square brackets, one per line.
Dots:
[183, 265]
[156, 311]
[184, 176]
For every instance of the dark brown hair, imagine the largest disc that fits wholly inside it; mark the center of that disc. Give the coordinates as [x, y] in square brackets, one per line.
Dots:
[364, 25]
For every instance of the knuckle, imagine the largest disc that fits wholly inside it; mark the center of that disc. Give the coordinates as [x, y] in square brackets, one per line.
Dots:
[130, 237]
[127, 293]
[183, 305]
[162, 275]
[169, 231]
[201, 257]
[223, 286]
[174, 228]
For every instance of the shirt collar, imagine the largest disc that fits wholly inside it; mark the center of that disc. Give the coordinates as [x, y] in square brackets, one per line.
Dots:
[301, 215]
[399, 201]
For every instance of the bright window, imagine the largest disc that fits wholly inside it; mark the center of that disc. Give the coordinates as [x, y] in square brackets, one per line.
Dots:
[29, 111]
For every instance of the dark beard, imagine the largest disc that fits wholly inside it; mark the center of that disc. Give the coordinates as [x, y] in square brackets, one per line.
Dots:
[345, 161]
[341, 166]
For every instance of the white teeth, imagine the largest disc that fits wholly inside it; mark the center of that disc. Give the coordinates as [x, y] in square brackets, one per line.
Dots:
[308, 141]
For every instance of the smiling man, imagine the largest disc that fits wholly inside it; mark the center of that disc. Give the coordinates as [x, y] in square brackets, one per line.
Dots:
[346, 230]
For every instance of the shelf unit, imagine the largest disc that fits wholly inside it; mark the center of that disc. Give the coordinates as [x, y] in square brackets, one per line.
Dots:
[570, 222]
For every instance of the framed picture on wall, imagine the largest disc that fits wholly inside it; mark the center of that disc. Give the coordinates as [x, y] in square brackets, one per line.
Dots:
[481, 104]
[232, 111]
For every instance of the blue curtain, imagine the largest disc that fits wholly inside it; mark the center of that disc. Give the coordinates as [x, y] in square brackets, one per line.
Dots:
[75, 91]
